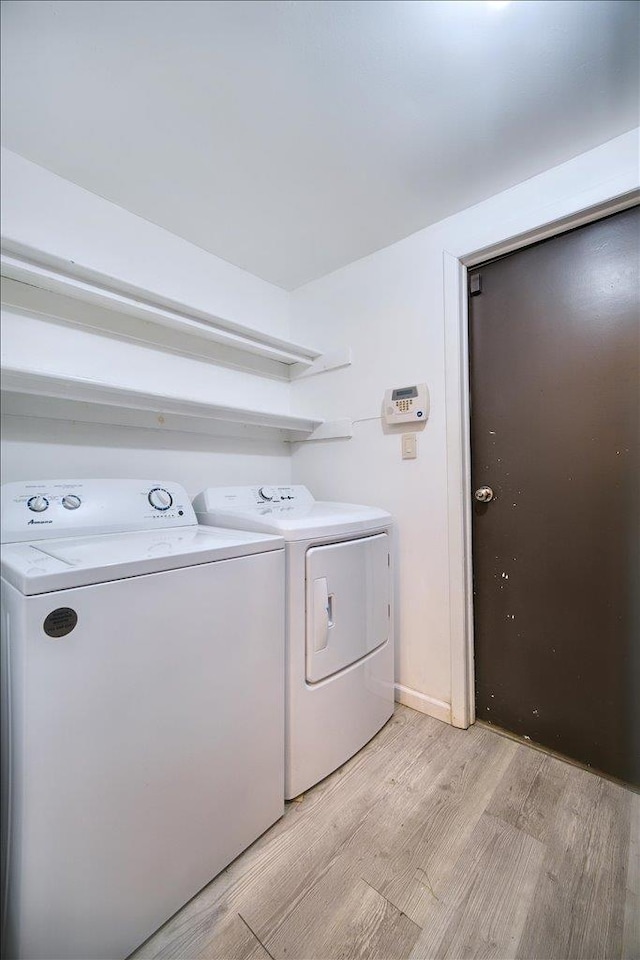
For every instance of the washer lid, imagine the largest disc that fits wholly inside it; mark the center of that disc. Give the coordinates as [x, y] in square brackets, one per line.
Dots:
[301, 521]
[47, 565]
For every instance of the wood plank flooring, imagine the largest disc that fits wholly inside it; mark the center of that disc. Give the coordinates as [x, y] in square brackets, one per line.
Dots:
[431, 843]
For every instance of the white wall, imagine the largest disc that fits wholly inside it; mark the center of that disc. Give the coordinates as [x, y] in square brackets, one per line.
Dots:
[34, 447]
[46, 212]
[389, 308]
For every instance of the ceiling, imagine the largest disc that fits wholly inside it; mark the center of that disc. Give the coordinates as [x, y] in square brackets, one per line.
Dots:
[291, 137]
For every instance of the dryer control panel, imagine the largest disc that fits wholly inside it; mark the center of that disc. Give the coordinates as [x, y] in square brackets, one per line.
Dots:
[39, 509]
[247, 499]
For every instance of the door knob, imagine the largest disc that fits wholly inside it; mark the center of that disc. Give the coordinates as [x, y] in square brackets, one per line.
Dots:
[484, 494]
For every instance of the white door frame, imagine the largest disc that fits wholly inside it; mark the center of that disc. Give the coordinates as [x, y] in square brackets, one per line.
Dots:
[458, 422]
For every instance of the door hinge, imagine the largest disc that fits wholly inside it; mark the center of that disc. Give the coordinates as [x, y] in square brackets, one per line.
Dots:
[475, 284]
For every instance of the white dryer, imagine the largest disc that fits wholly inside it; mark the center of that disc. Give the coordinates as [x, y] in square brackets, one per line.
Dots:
[143, 719]
[339, 654]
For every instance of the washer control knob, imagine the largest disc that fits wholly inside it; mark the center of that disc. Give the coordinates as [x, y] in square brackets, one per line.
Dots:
[37, 504]
[71, 501]
[160, 499]
[267, 493]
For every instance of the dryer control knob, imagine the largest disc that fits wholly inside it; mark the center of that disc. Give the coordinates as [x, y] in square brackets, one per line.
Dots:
[267, 493]
[71, 501]
[160, 499]
[37, 504]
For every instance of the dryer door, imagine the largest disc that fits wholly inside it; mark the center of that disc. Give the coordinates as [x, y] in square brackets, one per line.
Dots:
[348, 603]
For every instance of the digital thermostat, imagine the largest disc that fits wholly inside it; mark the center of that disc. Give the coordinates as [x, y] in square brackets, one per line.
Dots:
[406, 404]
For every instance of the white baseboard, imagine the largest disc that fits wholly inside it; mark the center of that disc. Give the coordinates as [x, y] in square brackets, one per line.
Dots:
[423, 703]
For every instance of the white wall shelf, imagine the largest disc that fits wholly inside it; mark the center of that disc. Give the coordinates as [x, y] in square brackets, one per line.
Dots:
[36, 393]
[25, 390]
[48, 286]
[48, 272]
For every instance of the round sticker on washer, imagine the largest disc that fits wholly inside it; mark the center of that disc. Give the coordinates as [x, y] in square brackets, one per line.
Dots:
[60, 622]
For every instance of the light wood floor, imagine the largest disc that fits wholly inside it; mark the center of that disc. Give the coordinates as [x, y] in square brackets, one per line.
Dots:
[431, 842]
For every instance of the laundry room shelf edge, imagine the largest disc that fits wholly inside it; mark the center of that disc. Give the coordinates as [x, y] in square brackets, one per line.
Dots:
[44, 271]
[30, 384]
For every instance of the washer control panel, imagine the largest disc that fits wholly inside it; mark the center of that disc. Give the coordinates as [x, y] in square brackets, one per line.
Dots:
[36, 510]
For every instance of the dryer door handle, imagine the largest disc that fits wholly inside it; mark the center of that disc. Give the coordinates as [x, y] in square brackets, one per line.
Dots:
[320, 614]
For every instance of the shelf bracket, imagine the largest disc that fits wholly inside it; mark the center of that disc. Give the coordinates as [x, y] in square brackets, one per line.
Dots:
[332, 360]
[329, 430]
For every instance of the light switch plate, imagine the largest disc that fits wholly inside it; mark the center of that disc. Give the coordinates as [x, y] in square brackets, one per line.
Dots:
[409, 446]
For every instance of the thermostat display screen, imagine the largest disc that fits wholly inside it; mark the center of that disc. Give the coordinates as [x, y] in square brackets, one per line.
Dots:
[403, 393]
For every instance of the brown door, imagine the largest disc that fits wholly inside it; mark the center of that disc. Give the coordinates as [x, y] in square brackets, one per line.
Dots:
[555, 394]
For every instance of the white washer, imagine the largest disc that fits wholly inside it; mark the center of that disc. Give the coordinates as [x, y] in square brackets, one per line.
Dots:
[339, 688]
[143, 718]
